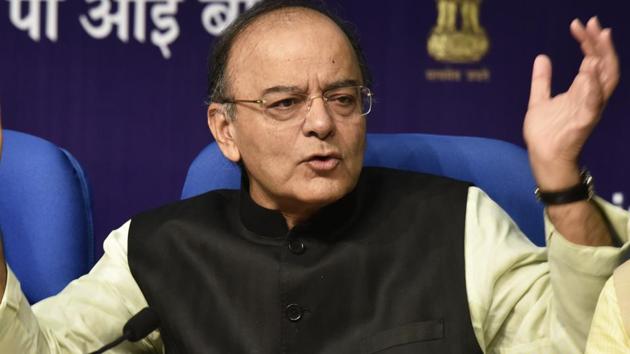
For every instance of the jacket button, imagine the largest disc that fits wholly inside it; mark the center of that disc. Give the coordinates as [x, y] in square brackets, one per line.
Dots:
[296, 246]
[294, 312]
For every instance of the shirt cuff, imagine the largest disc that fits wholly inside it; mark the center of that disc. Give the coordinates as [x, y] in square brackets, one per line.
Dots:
[590, 260]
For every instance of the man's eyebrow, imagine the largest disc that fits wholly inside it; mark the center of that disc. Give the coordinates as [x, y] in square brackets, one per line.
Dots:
[296, 89]
[281, 88]
[342, 83]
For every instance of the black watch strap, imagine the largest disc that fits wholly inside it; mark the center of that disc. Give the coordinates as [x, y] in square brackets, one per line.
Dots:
[582, 191]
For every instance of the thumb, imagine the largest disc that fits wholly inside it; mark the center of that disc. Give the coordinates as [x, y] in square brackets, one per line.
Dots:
[541, 80]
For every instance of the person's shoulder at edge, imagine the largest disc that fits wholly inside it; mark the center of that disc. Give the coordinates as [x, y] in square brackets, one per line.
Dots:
[611, 322]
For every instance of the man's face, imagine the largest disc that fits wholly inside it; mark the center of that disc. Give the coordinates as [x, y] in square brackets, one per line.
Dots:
[311, 161]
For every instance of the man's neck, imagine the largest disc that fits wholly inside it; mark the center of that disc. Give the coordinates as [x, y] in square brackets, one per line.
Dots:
[295, 219]
[294, 213]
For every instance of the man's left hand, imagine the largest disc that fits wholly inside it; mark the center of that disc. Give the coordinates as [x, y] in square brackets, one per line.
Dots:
[556, 129]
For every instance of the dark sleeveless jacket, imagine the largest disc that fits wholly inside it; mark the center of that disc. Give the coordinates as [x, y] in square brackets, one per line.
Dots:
[379, 271]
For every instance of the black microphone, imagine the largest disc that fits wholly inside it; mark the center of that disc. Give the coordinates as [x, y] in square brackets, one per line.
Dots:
[138, 327]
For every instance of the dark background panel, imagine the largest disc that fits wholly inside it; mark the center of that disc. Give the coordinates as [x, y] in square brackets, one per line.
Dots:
[136, 120]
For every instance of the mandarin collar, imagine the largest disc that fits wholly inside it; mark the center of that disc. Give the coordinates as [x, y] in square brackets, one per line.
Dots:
[327, 223]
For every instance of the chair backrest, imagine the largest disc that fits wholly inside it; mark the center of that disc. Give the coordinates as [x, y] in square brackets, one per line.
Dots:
[45, 214]
[501, 169]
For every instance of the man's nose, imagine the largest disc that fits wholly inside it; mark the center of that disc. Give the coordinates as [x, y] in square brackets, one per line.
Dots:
[318, 120]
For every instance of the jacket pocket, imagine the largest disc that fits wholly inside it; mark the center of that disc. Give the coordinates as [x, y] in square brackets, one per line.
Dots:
[410, 333]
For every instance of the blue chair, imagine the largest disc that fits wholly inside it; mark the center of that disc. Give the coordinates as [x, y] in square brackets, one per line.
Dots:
[499, 168]
[45, 214]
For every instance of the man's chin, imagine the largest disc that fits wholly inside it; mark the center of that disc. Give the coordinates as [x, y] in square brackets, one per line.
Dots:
[318, 193]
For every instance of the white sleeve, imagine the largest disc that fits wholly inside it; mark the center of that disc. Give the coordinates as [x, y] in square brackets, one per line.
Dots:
[527, 299]
[87, 314]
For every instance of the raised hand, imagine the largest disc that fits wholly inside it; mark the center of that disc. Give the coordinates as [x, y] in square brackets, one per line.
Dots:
[556, 128]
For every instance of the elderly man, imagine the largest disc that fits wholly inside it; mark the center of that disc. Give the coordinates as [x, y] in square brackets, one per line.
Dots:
[317, 254]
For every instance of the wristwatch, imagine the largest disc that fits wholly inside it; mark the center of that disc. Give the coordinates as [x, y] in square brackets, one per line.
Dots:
[582, 191]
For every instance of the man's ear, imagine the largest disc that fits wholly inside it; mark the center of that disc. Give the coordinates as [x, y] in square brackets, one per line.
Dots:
[222, 128]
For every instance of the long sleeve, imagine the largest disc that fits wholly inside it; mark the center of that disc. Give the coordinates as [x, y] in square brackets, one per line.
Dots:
[611, 322]
[526, 299]
[87, 314]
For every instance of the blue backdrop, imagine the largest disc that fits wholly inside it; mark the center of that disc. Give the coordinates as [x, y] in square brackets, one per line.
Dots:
[121, 84]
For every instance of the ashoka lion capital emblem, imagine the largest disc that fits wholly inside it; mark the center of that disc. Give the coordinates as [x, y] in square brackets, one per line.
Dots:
[449, 44]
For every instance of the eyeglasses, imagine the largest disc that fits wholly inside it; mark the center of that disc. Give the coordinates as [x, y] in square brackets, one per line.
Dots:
[341, 102]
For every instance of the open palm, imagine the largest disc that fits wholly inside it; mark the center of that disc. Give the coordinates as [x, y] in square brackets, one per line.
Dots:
[556, 128]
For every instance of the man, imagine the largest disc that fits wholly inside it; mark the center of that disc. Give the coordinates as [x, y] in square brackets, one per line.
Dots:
[319, 255]
[610, 330]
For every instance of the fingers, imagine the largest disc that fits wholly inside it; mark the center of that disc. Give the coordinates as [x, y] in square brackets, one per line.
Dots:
[597, 42]
[594, 32]
[587, 83]
[579, 33]
[587, 36]
[593, 28]
[592, 38]
[541, 80]
[587, 89]
[606, 48]
[605, 41]
[592, 65]
[610, 66]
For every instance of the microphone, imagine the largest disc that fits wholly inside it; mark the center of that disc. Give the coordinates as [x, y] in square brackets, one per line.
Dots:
[138, 327]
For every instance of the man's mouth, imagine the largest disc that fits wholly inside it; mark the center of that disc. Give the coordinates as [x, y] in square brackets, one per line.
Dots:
[323, 163]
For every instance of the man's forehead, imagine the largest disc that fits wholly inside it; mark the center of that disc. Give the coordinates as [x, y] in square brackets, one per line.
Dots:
[292, 49]
[287, 17]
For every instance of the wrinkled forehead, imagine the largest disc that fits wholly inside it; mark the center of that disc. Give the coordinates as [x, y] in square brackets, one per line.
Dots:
[291, 47]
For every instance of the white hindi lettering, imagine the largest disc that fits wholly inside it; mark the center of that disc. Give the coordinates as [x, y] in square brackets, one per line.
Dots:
[100, 21]
[105, 15]
[163, 18]
[31, 21]
[218, 14]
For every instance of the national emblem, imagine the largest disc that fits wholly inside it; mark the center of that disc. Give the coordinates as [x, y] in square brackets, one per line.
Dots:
[466, 45]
